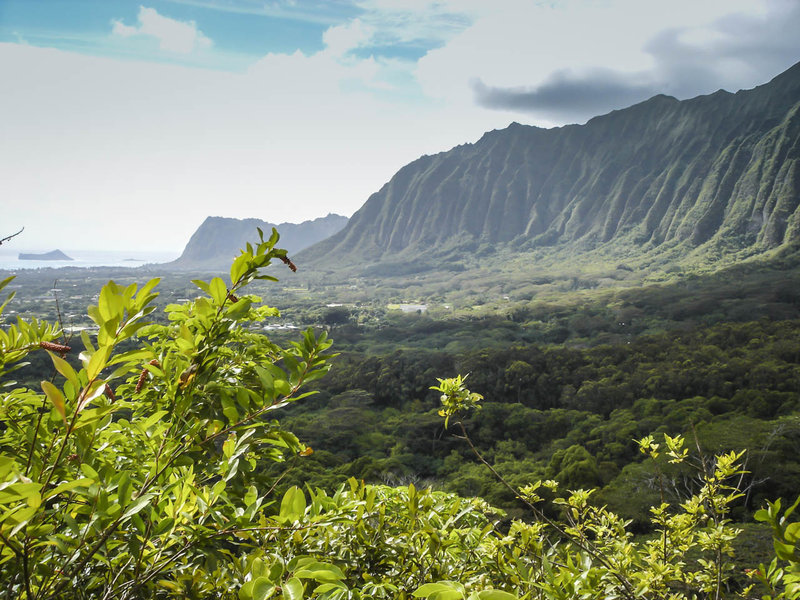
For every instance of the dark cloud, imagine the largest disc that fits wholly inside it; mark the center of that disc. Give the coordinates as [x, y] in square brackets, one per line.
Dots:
[566, 96]
[741, 51]
[746, 51]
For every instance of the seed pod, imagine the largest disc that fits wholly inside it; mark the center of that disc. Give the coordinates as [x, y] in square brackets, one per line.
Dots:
[53, 347]
[288, 262]
[110, 393]
[142, 379]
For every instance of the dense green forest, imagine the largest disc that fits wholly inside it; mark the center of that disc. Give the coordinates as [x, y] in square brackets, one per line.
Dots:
[564, 413]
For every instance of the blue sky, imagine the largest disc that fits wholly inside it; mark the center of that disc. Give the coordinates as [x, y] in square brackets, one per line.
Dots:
[156, 114]
[241, 31]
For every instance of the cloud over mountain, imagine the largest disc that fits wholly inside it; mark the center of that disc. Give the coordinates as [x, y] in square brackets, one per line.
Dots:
[684, 57]
[567, 97]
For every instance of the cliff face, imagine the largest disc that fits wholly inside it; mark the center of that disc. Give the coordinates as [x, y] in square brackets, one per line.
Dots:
[218, 240]
[721, 171]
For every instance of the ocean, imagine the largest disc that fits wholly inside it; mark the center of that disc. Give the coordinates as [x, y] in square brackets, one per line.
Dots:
[9, 259]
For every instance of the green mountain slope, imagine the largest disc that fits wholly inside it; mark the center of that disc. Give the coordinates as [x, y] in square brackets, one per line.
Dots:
[711, 176]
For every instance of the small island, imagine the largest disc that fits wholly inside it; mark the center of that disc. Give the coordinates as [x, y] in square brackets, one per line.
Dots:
[52, 255]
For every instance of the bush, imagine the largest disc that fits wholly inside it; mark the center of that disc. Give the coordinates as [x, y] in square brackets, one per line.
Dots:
[135, 476]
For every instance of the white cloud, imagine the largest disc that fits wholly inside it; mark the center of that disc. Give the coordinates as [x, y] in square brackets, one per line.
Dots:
[310, 79]
[127, 154]
[172, 35]
[119, 28]
[342, 38]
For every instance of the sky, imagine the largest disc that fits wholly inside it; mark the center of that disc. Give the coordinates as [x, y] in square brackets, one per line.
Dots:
[123, 125]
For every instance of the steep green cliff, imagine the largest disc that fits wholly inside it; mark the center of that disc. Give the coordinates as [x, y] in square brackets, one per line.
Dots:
[712, 176]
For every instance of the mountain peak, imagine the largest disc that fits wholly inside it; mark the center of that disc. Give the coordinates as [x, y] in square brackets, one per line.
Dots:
[219, 239]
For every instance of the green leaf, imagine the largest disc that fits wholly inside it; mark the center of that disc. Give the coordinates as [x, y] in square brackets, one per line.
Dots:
[90, 393]
[246, 591]
[293, 589]
[444, 590]
[87, 341]
[447, 595]
[7, 464]
[152, 420]
[144, 296]
[97, 362]
[239, 267]
[263, 588]
[496, 595]
[761, 515]
[163, 525]
[251, 496]
[68, 485]
[792, 508]
[19, 491]
[124, 488]
[92, 416]
[792, 533]
[783, 551]
[110, 303]
[22, 516]
[229, 447]
[87, 470]
[65, 369]
[293, 505]
[321, 572]
[282, 387]
[6, 281]
[56, 398]
[218, 291]
[202, 285]
[327, 587]
[138, 505]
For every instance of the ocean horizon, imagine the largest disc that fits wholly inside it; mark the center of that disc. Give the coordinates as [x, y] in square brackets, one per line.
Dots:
[10, 261]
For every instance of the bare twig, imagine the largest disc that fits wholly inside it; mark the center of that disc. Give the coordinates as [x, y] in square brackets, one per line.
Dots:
[13, 235]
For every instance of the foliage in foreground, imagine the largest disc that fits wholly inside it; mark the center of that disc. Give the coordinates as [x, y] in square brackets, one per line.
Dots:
[370, 542]
[381, 542]
[133, 477]
[152, 488]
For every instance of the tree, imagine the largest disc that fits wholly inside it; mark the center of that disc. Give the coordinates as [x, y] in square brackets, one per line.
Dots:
[135, 476]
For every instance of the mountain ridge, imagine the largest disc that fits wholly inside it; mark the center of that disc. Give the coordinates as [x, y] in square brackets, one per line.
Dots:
[218, 239]
[714, 174]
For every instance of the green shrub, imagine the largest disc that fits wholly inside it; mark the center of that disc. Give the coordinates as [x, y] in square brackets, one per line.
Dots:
[134, 476]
